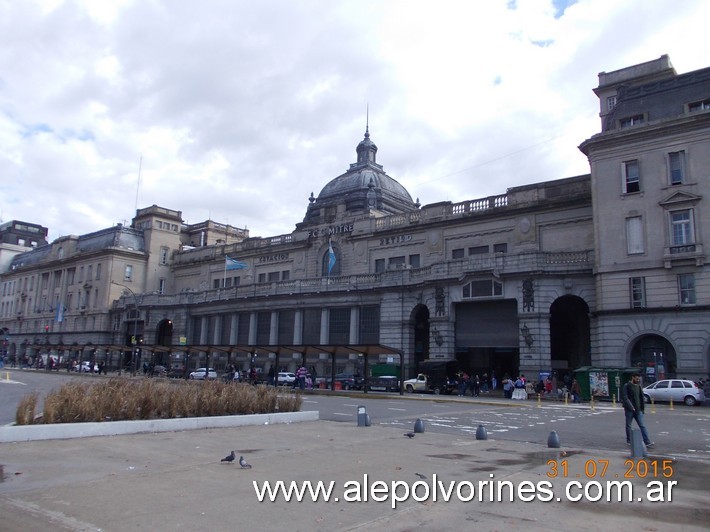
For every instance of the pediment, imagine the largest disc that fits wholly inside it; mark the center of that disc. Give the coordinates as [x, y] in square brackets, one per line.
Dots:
[679, 197]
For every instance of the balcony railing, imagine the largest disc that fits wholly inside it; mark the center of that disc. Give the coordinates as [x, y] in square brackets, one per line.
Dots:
[687, 248]
[498, 264]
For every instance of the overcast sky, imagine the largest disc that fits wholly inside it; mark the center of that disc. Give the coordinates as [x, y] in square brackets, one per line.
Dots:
[239, 110]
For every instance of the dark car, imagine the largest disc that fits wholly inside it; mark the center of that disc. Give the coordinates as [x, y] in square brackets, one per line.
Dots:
[160, 371]
[385, 383]
[349, 381]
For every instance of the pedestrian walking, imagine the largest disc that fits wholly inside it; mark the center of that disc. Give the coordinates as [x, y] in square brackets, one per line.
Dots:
[632, 397]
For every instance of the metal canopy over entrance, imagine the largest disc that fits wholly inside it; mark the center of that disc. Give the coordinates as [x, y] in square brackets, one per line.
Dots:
[334, 350]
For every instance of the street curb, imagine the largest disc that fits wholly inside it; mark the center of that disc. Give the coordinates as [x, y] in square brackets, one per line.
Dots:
[63, 431]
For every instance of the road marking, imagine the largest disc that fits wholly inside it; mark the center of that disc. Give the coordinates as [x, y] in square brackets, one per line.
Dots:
[10, 381]
[342, 414]
[400, 409]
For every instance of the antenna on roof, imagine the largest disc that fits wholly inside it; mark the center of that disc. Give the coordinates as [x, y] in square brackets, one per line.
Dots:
[138, 185]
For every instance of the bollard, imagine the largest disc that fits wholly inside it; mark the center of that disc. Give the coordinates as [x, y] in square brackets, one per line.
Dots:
[638, 448]
[418, 426]
[671, 407]
[613, 400]
[539, 404]
[566, 398]
[592, 402]
[553, 440]
[481, 433]
[653, 406]
[363, 418]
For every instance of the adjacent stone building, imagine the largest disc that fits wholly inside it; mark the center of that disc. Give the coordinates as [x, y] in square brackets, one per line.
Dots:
[650, 177]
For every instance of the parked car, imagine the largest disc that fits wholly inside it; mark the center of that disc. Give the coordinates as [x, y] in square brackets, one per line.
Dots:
[435, 384]
[160, 371]
[286, 378]
[87, 367]
[349, 381]
[677, 390]
[176, 373]
[385, 383]
[200, 373]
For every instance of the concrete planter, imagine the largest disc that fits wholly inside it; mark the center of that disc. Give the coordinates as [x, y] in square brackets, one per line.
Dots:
[63, 431]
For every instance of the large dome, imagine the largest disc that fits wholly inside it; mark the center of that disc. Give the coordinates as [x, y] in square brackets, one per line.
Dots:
[364, 187]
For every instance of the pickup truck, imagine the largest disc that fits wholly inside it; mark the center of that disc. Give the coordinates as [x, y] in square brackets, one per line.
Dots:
[423, 383]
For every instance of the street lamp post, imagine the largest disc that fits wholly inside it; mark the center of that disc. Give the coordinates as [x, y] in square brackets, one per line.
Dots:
[134, 338]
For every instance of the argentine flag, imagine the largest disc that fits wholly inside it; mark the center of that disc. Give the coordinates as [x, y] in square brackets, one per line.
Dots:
[331, 257]
[60, 312]
[234, 264]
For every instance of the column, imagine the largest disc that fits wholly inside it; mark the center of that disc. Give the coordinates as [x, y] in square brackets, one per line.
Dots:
[298, 327]
[233, 329]
[355, 325]
[252, 328]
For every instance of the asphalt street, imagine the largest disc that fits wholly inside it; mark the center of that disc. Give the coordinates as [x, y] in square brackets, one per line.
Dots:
[682, 431]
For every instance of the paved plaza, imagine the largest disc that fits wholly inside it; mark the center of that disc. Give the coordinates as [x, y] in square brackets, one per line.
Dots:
[176, 481]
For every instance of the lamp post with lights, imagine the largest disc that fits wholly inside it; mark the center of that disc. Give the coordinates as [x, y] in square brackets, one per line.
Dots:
[134, 337]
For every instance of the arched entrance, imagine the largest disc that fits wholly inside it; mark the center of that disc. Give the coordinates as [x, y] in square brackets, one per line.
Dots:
[569, 334]
[5, 339]
[164, 337]
[655, 356]
[420, 322]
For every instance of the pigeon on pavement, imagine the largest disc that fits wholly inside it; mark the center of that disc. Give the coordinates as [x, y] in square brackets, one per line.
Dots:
[229, 458]
[243, 463]
[409, 434]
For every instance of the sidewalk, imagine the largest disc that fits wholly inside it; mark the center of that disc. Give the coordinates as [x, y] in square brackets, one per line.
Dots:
[175, 481]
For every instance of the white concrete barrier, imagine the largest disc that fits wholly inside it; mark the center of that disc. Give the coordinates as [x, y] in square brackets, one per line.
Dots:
[63, 431]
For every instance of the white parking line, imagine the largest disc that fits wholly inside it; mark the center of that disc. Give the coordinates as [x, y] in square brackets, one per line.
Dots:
[342, 414]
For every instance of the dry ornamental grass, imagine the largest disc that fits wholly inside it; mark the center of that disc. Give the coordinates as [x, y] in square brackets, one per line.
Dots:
[122, 399]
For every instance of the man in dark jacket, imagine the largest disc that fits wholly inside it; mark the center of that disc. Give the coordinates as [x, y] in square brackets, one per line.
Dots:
[632, 397]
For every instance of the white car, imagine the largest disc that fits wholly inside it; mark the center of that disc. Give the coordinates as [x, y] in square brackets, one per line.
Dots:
[86, 367]
[200, 373]
[677, 390]
[286, 378]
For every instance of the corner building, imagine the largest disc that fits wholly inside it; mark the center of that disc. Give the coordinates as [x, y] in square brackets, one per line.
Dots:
[650, 168]
[543, 277]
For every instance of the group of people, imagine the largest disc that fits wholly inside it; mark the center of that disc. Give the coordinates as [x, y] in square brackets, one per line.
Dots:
[549, 387]
[305, 378]
[476, 384]
[251, 376]
[510, 385]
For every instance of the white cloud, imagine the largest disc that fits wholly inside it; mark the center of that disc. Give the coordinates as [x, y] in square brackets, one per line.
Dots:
[241, 109]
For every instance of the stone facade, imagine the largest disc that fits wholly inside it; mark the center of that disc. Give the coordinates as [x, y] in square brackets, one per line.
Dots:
[650, 172]
[542, 277]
